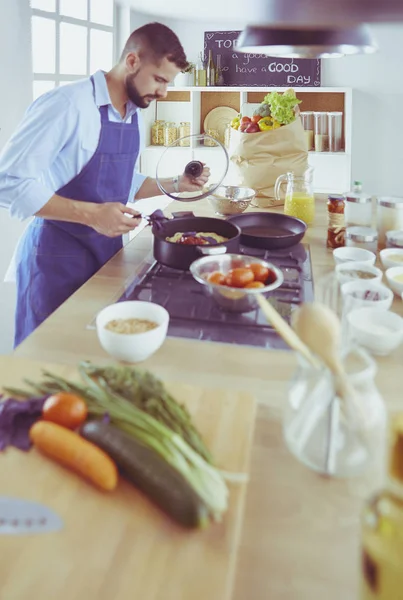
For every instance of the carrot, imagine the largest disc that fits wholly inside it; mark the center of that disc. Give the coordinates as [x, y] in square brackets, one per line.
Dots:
[72, 451]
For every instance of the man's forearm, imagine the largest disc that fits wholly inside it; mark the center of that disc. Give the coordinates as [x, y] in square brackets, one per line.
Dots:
[150, 188]
[64, 209]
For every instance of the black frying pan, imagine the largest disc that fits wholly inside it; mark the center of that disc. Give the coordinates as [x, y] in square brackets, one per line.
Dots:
[179, 256]
[270, 231]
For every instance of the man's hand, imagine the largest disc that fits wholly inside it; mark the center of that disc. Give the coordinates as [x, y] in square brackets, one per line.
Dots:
[111, 218]
[187, 183]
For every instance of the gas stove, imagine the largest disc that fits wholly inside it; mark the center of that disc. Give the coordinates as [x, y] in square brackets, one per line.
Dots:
[194, 315]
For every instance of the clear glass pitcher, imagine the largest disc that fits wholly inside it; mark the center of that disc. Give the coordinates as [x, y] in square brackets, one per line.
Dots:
[337, 437]
[299, 196]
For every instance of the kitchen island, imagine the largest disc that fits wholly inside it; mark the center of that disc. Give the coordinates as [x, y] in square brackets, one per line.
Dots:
[300, 535]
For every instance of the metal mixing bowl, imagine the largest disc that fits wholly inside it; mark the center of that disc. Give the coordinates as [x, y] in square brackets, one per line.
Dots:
[232, 299]
[231, 200]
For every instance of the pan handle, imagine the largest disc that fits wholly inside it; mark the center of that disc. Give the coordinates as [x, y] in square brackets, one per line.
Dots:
[211, 250]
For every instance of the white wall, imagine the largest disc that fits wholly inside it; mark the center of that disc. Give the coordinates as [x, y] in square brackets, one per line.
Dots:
[15, 96]
[377, 80]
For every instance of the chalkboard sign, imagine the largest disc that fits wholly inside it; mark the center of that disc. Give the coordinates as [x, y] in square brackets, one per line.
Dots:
[241, 69]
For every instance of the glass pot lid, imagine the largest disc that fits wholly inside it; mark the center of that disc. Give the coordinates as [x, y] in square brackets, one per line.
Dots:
[188, 155]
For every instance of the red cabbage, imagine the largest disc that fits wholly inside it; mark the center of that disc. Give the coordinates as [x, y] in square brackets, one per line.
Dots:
[16, 419]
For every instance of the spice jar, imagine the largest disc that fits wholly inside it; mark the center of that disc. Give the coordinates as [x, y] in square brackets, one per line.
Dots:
[394, 239]
[336, 225]
[214, 134]
[389, 217]
[358, 209]
[362, 237]
[170, 133]
[157, 133]
[184, 131]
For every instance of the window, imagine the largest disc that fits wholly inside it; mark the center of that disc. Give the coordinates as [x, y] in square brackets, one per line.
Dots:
[70, 40]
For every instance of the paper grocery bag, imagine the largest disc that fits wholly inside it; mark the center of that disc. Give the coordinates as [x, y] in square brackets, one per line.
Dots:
[259, 158]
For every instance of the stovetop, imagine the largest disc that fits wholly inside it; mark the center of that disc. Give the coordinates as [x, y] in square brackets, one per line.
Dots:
[194, 314]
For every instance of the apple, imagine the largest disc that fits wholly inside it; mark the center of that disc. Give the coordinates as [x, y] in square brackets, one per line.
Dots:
[252, 128]
[243, 126]
[245, 120]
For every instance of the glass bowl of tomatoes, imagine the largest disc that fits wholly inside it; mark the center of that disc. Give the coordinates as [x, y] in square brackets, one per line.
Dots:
[234, 280]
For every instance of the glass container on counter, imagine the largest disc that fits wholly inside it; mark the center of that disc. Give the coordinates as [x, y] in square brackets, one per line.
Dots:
[394, 238]
[309, 127]
[382, 529]
[362, 237]
[335, 226]
[389, 217]
[170, 133]
[184, 131]
[299, 197]
[358, 209]
[334, 436]
[321, 132]
[335, 130]
[157, 133]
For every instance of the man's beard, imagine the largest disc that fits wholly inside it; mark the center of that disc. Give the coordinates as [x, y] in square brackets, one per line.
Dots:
[133, 93]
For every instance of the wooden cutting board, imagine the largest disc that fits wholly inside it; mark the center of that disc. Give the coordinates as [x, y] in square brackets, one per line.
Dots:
[118, 546]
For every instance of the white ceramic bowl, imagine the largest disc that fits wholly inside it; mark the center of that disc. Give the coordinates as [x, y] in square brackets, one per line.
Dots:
[387, 256]
[380, 331]
[356, 294]
[396, 286]
[346, 254]
[344, 272]
[132, 347]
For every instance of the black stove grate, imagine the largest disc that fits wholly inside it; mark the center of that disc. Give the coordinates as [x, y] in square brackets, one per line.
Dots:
[194, 315]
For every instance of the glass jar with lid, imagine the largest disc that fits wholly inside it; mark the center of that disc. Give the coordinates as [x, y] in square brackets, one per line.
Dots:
[213, 133]
[336, 225]
[358, 209]
[170, 133]
[394, 238]
[157, 133]
[389, 217]
[184, 131]
[362, 237]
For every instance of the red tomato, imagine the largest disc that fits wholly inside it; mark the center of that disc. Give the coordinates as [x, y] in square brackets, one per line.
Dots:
[254, 284]
[260, 272]
[245, 120]
[217, 278]
[239, 277]
[65, 409]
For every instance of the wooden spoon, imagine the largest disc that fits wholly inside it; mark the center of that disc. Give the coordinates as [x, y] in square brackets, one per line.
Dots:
[285, 331]
[319, 328]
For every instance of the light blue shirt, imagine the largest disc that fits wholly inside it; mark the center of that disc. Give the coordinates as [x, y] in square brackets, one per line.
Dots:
[57, 137]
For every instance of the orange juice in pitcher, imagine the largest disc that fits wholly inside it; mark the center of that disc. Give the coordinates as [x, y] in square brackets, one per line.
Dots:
[299, 196]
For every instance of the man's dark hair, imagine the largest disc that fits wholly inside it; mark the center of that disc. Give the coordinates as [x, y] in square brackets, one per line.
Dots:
[155, 41]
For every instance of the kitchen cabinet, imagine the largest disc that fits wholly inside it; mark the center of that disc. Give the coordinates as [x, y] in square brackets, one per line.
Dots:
[332, 172]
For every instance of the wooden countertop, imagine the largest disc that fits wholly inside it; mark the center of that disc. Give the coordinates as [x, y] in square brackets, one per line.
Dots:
[300, 535]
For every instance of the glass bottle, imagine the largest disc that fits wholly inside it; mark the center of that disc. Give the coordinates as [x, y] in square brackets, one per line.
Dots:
[211, 69]
[200, 74]
[157, 133]
[299, 196]
[219, 78]
[382, 529]
[335, 227]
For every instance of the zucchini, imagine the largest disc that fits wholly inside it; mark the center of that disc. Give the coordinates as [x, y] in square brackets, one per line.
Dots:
[149, 473]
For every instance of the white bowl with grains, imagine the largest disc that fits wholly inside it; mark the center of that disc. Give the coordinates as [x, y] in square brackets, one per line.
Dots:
[379, 331]
[358, 271]
[132, 331]
[347, 254]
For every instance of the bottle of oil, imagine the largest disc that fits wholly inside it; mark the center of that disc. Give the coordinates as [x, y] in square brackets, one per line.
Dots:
[211, 69]
[382, 530]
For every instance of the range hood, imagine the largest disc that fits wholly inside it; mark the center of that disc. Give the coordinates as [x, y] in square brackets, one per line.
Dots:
[290, 42]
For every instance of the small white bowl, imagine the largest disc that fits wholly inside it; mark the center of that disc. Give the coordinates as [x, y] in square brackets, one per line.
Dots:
[380, 331]
[132, 347]
[396, 286]
[344, 272]
[387, 255]
[355, 294]
[348, 254]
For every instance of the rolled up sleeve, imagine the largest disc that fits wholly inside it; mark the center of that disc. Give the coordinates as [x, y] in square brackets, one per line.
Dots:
[45, 129]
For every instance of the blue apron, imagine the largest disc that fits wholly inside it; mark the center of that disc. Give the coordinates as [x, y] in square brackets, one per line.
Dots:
[56, 257]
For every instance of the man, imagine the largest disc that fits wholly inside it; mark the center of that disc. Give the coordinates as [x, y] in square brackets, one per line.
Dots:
[72, 164]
